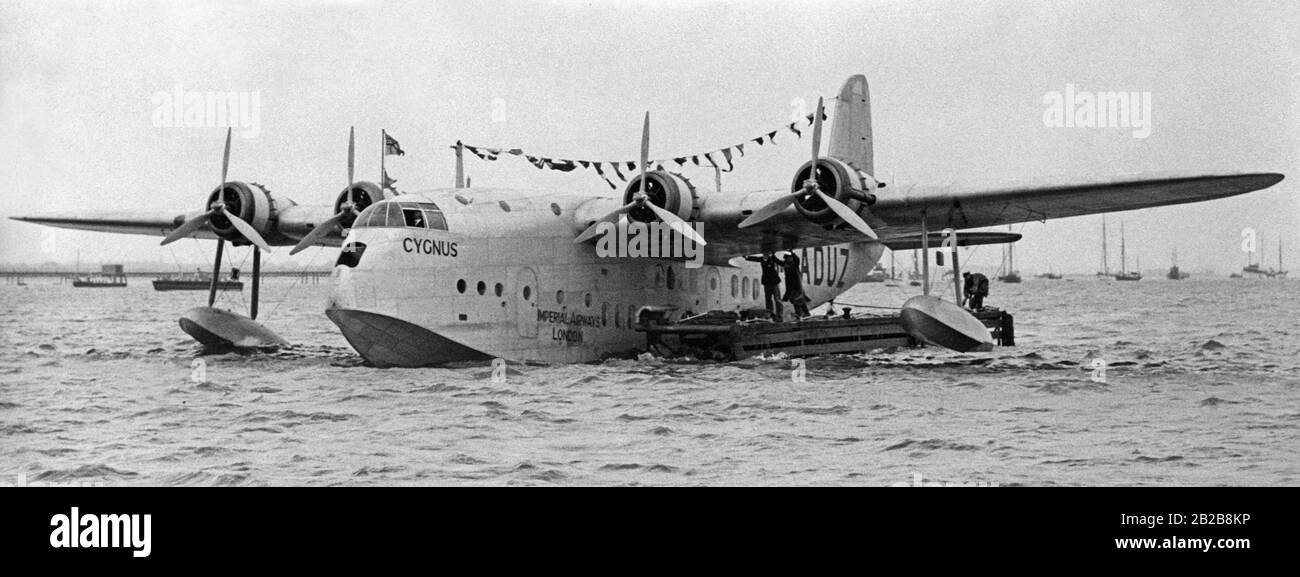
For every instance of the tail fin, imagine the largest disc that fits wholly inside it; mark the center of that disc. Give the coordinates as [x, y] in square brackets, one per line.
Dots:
[851, 125]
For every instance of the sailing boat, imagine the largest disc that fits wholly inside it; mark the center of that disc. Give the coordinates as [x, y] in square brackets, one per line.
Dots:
[1105, 265]
[1281, 272]
[1254, 265]
[892, 281]
[914, 277]
[1174, 273]
[1009, 264]
[1123, 259]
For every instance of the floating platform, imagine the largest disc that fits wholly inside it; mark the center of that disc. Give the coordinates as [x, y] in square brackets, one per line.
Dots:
[725, 337]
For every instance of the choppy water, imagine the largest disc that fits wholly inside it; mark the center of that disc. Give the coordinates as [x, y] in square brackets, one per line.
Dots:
[1202, 388]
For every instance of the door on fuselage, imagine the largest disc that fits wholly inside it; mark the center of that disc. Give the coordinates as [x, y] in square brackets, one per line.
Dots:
[527, 294]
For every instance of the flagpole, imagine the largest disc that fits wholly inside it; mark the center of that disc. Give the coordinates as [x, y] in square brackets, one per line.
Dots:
[383, 152]
[460, 165]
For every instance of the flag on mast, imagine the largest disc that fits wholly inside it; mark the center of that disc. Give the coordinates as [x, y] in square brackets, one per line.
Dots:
[391, 146]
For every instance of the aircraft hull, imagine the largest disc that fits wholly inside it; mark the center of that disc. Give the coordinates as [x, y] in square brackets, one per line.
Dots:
[386, 342]
[531, 294]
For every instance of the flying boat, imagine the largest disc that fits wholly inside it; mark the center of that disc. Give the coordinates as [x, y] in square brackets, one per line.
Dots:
[449, 275]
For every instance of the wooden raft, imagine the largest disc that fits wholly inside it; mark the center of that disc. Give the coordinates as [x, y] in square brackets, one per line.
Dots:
[723, 336]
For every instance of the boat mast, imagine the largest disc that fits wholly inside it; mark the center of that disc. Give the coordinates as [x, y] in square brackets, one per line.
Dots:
[1123, 256]
[1105, 265]
[1011, 255]
[1254, 254]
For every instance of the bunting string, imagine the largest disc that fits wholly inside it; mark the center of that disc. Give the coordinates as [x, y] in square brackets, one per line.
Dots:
[601, 166]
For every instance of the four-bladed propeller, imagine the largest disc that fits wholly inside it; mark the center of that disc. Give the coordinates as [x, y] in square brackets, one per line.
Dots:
[642, 200]
[218, 208]
[810, 188]
[347, 210]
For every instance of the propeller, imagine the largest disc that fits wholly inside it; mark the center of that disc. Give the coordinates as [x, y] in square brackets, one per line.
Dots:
[641, 200]
[810, 187]
[219, 208]
[348, 209]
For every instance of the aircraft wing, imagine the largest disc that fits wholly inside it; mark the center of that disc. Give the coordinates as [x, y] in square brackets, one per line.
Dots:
[896, 216]
[977, 207]
[291, 223]
[156, 223]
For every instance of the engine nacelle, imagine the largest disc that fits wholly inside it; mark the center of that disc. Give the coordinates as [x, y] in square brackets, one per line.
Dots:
[667, 190]
[252, 203]
[838, 180]
[364, 194]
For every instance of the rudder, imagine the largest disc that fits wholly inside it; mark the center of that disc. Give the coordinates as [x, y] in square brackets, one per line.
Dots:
[851, 125]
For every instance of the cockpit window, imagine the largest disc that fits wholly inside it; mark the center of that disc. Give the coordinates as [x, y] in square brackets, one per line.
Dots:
[393, 214]
[414, 217]
[373, 216]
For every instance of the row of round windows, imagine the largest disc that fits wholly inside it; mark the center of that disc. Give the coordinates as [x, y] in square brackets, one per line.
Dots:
[481, 288]
[740, 288]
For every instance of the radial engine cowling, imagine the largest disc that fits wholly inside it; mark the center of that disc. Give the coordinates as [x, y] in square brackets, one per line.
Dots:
[363, 194]
[667, 190]
[838, 180]
[251, 202]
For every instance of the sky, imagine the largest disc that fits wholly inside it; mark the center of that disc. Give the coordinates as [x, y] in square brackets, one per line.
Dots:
[957, 96]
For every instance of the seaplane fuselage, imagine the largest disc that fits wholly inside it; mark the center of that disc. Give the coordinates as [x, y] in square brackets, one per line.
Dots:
[504, 279]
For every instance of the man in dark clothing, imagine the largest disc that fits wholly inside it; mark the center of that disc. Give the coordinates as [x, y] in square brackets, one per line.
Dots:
[794, 285]
[771, 282]
[976, 288]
